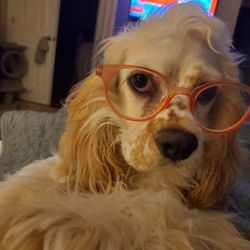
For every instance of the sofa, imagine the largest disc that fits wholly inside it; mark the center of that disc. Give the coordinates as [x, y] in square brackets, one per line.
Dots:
[28, 136]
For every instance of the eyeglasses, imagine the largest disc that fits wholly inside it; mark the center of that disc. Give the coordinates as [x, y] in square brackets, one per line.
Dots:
[139, 94]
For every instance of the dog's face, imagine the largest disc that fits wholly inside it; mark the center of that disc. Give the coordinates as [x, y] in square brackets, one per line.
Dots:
[187, 48]
[172, 138]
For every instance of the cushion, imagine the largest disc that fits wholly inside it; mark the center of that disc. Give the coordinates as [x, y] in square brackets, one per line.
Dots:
[27, 136]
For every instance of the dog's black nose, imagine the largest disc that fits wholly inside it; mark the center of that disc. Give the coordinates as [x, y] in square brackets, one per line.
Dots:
[176, 144]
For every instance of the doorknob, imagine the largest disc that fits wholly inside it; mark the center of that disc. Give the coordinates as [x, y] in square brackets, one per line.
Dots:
[42, 49]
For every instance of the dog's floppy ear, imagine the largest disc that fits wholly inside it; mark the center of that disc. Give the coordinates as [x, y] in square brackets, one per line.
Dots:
[87, 148]
[218, 172]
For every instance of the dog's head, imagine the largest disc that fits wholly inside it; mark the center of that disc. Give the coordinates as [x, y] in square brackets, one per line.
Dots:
[183, 48]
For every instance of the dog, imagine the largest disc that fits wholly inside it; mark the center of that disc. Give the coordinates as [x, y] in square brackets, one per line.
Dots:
[149, 153]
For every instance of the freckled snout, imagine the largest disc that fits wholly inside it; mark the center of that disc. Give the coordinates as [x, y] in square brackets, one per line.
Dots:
[175, 144]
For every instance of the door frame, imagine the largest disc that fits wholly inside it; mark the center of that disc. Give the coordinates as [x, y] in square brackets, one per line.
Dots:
[3, 19]
[105, 22]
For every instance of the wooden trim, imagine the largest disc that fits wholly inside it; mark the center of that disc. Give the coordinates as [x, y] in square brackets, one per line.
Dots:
[3, 19]
[104, 24]
[228, 11]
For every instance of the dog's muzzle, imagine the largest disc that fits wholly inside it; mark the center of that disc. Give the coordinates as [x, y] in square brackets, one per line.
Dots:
[175, 144]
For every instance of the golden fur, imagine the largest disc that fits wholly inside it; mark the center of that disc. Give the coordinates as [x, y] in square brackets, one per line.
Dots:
[92, 195]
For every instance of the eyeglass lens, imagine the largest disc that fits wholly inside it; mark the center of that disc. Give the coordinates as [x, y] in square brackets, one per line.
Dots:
[221, 107]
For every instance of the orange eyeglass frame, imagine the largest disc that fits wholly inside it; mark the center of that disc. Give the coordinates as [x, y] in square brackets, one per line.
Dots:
[106, 71]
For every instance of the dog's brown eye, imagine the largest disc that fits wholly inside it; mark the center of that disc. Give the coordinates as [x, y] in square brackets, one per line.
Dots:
[140, 82]
[207, 95]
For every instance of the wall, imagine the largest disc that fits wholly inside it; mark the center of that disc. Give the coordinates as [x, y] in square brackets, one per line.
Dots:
[227, 11]
[242, 40]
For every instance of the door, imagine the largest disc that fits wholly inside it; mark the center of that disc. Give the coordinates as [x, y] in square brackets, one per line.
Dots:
[27, 22]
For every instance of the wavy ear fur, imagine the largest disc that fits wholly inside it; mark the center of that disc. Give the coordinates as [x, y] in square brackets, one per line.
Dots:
[218, 171]
[90, 157]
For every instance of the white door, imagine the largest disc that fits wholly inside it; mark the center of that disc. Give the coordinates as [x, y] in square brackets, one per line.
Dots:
[27, 22]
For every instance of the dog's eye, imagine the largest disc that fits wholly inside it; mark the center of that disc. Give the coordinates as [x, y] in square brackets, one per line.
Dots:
[140, 82]
[207, 95]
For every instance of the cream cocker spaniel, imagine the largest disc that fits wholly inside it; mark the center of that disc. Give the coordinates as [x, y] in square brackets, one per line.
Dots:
[149, 152]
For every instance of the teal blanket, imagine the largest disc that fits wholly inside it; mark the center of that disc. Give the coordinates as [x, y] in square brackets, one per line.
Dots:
[27, 136]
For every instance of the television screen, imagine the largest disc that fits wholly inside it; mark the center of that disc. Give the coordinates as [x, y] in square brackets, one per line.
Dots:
[142, 8]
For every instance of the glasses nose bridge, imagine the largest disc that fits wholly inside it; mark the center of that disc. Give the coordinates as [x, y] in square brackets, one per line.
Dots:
[175, 90]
